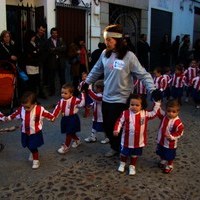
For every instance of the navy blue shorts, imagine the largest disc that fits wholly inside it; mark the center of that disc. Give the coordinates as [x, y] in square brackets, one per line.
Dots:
[70, 124]
[176, 92]
[165, 153]
[131, 151]
[32, 141]
[98, 126]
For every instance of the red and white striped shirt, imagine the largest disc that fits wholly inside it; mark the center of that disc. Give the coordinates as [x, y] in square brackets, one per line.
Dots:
[134, 133]
[139, 87]
[68, 107]
[32, 121]
[190, 73]
[174, 127]
[2, 117]
[160, 83]
[167, 80]
[97, 112]
[178, 81]
[81, 85]
[196, 83]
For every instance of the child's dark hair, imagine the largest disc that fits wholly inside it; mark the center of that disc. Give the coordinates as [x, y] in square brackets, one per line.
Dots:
[158, 70]
[139, 97]
[179, 67]
[173, 103]
[29, 97]
[99, 84]
[68, 86]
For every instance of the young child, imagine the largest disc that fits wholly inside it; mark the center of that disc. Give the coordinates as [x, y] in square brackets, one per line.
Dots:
[190, 73]
[134, 131]
[139, 88]
[31, 115]
[196, 90]
[159, 80]
[177, 82]
[70, 122]
[171, 128]
[97, 125]
[167, 77]
[88, 100]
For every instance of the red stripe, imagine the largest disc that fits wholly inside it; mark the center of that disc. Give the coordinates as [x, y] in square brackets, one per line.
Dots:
[127, 122]
[163, 129]
[37, 118]
[63, 106]
[27, 122]
[71, 112]
[145, 131]
[137, 130]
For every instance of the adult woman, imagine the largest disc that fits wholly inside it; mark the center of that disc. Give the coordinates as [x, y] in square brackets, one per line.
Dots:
[118, 65]
[7, 47]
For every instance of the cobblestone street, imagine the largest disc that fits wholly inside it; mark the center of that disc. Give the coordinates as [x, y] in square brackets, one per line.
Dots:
[85, 174]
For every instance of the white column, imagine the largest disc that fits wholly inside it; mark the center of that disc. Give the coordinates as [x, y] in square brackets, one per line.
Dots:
[3, 25]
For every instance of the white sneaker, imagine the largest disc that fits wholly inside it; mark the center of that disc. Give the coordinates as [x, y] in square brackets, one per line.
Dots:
[30, 158]
[91, 139]
[76, 143]
[36, 164]
[63, 149]
[132, 170]
[121, 167]
[111, 153]
[105, 141]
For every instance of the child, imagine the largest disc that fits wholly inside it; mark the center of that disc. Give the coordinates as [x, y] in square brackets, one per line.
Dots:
[196, 90]
[31, 115]
[159, 80]
[97, 125]
[177, 82]
[139, 88]
[171, 128]
[70, 122]
[134, 131]
[190, 73]
[88, 100]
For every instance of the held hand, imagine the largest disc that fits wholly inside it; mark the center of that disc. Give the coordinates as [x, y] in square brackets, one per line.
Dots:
[85, 87]
[156, 95]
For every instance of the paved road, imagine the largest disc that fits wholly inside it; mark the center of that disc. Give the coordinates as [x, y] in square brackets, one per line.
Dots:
[84, 173]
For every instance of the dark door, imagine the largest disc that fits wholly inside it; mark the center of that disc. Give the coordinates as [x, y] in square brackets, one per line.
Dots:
[39, 16]
[161, 23]
[71, 23]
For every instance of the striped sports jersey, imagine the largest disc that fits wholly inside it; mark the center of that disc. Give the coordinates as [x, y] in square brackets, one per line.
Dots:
[174, 127]
[178, 81]
[97, 112]
[167, 79]
[196, 83]
[190, 73]
[32, 121]
[139, 87]
[160, 83]
[68, 107]
[134, 127]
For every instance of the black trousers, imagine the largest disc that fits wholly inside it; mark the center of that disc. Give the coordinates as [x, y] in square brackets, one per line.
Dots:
[111, 112]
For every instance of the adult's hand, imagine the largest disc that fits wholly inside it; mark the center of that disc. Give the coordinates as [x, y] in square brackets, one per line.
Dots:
[156, 95]
[84, 88]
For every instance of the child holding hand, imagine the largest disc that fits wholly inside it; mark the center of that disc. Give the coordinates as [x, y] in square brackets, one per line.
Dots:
[171, 129]
[31, 115]
[70, 122]
[134, 131]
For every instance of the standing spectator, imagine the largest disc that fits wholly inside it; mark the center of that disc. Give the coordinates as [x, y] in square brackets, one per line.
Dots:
[55, 60]
[143, 50]
[40, 40]
[184, 51]
[32, 61]
[96, 54]
[197, 50]
[8, 49]
[118, 65]
[196, 90]
[174, 50]
[165, 51]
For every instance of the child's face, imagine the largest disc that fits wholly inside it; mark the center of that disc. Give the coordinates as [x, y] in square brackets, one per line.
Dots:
[66, 93]
[135, 105]
[28, 106]
[177, 71]
[156, 73]
[194, 64]
[84, 76]
[172, 112]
